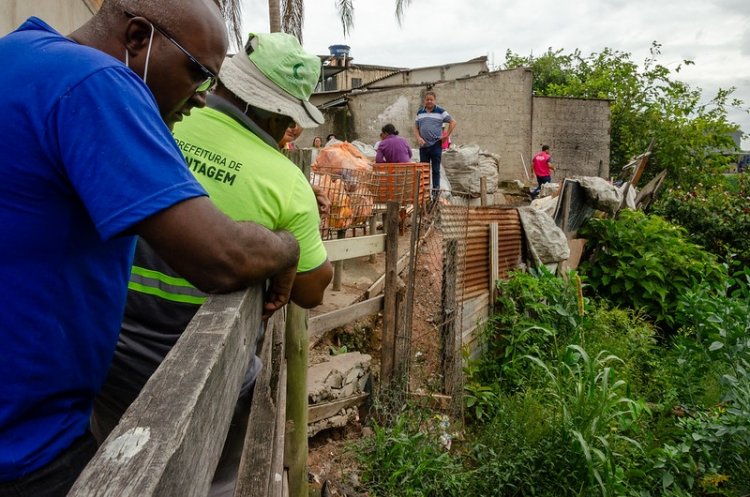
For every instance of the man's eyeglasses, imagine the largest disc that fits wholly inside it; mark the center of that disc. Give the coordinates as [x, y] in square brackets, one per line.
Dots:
[210, 78]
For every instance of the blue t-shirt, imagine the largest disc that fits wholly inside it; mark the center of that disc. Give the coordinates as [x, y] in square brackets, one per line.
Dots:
[86, 156]
[431, 124]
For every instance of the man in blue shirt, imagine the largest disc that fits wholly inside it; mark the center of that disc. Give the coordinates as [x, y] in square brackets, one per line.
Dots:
[88, 163]
[429, 133]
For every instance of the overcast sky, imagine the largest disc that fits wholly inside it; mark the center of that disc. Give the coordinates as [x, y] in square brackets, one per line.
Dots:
[715, 34]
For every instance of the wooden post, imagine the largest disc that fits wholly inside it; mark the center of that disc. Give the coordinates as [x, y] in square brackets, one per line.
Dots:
[403, 350]
[483, 191]
[338, 266]
[494, 260]
[449, 322]
[302, 157]
[390, 291]
[401, 345]
[295, 441]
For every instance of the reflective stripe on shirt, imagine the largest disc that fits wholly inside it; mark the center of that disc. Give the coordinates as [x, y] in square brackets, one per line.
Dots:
[162, 285]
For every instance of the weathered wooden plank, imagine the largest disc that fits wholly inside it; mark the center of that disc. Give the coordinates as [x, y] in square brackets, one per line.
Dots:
[256, 466]
[378, 285]
[391, 288]
[349, 248]
[169, 440]
[327, 409]
[331, 320]
[295, 437]
[277, 486]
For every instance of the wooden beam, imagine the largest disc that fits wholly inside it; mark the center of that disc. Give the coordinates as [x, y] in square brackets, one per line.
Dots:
[349, 248]
[331, 320]
[169, 441]
[257, 472]
[317, 412]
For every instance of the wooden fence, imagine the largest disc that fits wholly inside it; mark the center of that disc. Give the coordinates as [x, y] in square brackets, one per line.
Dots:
[169, 441]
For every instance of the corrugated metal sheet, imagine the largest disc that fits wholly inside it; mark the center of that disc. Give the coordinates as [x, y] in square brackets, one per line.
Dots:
[470, 226]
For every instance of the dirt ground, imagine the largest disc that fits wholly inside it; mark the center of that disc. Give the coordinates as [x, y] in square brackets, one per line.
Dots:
[332, 456]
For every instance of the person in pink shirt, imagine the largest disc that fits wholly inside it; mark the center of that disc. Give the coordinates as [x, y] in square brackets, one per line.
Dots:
[543, 166]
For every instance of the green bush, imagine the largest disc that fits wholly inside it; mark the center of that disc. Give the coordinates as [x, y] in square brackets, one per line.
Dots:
[647, 264]
[716, 217]
[533, 312]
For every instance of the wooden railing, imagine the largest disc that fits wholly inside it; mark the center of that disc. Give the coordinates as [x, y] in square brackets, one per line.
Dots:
[169, 441]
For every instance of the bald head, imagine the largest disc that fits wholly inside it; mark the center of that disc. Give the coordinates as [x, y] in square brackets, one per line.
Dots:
[172, 44]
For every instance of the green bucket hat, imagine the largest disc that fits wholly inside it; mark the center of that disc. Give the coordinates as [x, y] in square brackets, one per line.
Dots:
[275, 74]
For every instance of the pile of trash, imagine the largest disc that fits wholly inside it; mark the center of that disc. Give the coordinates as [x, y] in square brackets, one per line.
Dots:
[466, 165]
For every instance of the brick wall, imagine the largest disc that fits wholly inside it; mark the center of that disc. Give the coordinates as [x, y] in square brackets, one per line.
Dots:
[577, 132]
[495, 111]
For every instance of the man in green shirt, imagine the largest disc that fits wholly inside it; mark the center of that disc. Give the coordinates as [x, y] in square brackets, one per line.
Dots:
[231, 147]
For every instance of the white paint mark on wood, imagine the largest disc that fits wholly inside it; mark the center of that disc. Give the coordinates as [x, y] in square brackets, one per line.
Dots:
[128, 445]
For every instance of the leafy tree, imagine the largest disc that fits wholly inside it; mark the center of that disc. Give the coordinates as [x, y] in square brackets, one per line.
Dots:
[647, 103]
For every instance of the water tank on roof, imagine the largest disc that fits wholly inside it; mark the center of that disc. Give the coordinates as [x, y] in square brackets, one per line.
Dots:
[339, 50]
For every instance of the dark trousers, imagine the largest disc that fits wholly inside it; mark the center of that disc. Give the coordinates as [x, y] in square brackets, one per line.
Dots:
[56, 478]
[543, 179]
[433, 154]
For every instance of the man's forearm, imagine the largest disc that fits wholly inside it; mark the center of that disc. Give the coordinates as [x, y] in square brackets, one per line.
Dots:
[268, 253]
[213, 252]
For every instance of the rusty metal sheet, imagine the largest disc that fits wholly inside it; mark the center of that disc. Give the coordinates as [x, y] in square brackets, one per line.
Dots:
[470, 226]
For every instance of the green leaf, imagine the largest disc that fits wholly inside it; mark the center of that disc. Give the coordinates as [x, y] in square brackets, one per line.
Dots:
[667, 479]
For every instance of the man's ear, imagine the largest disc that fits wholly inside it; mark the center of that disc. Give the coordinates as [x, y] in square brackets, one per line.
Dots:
[138, 34]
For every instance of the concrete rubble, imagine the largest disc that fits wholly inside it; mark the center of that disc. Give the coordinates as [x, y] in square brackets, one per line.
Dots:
[341, 377]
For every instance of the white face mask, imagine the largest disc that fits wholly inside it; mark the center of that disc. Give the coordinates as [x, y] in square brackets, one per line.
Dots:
[148, 55]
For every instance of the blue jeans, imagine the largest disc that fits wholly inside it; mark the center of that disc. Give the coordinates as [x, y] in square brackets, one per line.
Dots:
[56, 478]
[433, 154]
